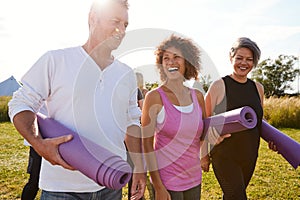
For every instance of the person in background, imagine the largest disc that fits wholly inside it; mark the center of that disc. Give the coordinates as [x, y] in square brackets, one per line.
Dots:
[234, 160]
[140, 98]
[31, 188]
[53, 79]
[172, 123]
[140, 83]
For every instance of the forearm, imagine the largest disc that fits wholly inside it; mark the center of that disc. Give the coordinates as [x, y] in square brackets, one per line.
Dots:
[151, 161]
[204, 149]
[156, 180]
[25, 124]
[134, 147]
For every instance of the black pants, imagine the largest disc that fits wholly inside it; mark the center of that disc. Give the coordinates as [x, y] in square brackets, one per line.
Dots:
[233, 176]
[32, 186]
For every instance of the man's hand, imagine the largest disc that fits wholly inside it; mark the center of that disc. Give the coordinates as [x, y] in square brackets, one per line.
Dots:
[48, 149]
[26, 124]
[138, 186]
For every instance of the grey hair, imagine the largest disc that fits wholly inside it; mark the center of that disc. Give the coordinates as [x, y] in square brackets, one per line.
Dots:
[97, 7]
[95, 4]
[244, 42]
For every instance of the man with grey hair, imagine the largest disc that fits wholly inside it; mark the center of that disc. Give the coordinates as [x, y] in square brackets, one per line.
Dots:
[56, 78]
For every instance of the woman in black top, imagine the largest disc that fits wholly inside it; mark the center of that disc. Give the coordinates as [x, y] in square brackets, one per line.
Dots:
[235, 158]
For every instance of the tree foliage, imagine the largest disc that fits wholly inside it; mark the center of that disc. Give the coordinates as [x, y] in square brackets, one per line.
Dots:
[205, 82]
[276, 75]
[150, 86]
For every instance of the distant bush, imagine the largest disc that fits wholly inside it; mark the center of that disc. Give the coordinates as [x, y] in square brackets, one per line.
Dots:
[150, 86]
[283, 111]
[4, 108]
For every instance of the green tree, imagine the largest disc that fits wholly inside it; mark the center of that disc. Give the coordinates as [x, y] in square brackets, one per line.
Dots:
[150, 86]
[276, 75]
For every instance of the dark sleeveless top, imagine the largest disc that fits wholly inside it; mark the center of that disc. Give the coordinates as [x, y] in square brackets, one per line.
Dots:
[244, 144]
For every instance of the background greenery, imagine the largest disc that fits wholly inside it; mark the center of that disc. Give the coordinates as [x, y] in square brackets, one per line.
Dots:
[277, 74]
[4, 109]
[283, 111]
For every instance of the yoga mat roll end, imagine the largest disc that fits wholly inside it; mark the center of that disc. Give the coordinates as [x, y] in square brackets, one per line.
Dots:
[232, 121]
[248, 116]
[287, 147]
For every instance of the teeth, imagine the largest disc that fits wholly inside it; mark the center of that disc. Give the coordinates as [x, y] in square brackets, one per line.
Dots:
[173, 69]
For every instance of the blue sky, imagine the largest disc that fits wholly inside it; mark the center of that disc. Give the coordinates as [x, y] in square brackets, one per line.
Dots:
[29, 28]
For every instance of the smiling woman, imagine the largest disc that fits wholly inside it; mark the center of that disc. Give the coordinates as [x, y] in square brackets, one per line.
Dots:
[172, 122]
[232, 171]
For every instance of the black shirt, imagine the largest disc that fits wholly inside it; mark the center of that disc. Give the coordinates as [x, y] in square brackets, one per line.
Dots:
[244, 144]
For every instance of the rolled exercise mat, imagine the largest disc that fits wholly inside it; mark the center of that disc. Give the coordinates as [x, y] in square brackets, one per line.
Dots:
[96, 162]
[232, 121]
[287, 147]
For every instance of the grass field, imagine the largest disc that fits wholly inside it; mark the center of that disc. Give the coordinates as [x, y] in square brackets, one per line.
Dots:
[274, 178]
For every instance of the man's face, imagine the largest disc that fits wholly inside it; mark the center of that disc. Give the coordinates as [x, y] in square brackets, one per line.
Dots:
[110, 25]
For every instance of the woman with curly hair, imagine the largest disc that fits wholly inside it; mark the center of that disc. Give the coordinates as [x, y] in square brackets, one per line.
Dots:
[172, 123]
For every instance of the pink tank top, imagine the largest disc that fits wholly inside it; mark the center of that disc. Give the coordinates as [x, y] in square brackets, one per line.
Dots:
[177, 145]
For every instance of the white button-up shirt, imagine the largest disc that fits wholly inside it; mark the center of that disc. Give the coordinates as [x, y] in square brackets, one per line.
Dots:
[97, 104]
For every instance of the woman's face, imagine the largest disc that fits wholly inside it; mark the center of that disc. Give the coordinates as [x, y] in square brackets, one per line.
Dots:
[242, 62]
[173, 63]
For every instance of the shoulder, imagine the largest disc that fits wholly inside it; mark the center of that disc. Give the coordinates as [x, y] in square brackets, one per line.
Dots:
[123, 65]
[260, 88]
[63, 54]
[65, 50]
[199, 94]
[121, 70]
[152, 102]
[153, 96]
[217, 86]
[200, 97]
[259, 85]
[215, 93]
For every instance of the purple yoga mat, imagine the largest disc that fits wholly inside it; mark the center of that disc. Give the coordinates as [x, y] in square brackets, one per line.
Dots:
[287, 147]
[232, 121]
[94, 161]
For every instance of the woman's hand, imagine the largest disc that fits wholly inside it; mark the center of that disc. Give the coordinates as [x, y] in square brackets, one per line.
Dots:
[162, 194]
[272, 146]
[205, 162]
[213, 137]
